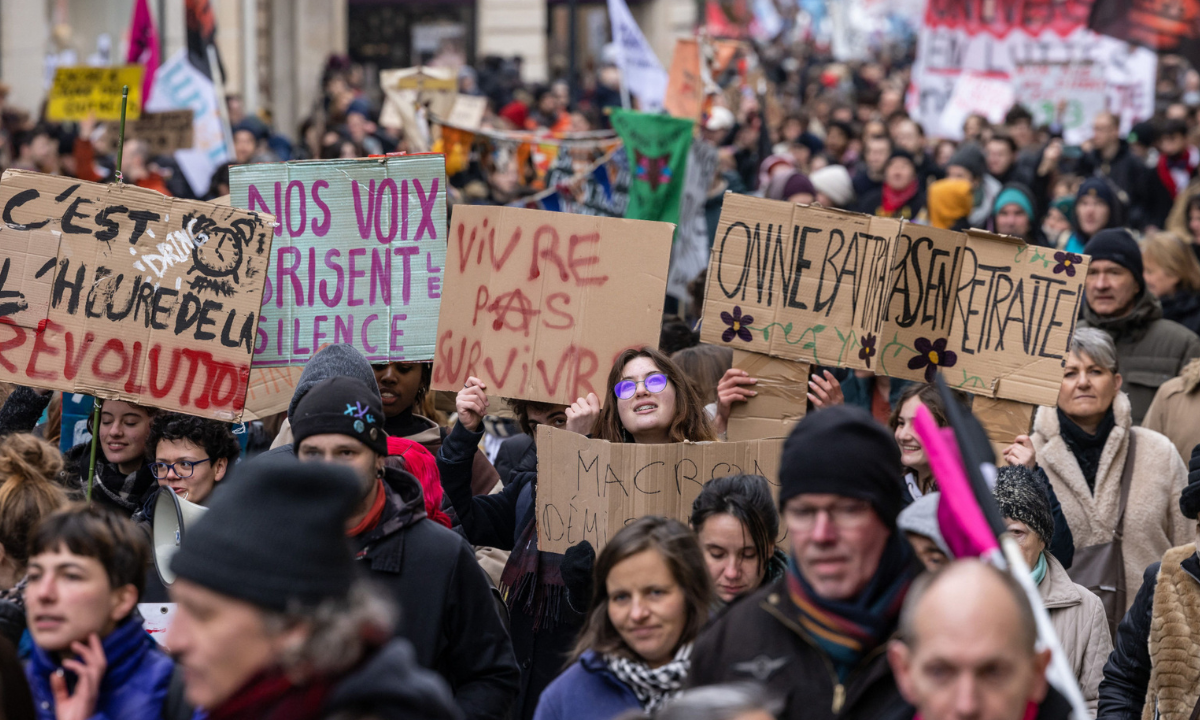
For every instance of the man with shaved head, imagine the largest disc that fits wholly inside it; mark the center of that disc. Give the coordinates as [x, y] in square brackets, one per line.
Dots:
[966, 649]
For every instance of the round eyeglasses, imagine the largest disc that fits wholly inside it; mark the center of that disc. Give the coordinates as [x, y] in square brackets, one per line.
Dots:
[654, 382]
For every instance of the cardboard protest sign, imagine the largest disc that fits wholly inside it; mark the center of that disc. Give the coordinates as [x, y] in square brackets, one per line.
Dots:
[546, 300]
[781, 401]
[78, 92]
[685, 85]
[590, 489]
[783, 279]
[468, 111]
[1003, 421]
[163, 132]
[270, 391]
[849, 290]
[358, 255]
[121, 292]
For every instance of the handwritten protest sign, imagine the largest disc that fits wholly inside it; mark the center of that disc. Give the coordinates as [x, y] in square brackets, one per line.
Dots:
[121, 292]
[358, 255]
[685, 85]
[78, 92]
[270, 390]
[904, 300]
[590, 489]
[546, 300]
[1080, 88]
[163, 132]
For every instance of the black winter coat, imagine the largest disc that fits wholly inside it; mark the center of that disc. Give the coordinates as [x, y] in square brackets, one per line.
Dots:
[1184, 308]
[497, 521]
[446, 605]
[1147, 201]
[754, 640]
[390, 685]
[1127, 672]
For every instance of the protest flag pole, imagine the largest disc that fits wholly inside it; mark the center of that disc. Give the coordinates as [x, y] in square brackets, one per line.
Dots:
[95, 401]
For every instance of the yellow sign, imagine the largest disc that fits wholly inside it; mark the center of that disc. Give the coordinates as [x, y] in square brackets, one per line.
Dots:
[80, 91]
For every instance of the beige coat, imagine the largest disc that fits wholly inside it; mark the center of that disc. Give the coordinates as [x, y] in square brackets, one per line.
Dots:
[1153, 522]
[1175, 411]
[1081, 625]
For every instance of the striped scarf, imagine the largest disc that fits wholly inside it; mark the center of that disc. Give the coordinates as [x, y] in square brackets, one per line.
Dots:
[846, 630]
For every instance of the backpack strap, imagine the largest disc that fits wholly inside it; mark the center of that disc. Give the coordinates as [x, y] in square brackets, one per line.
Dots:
[1126, 482]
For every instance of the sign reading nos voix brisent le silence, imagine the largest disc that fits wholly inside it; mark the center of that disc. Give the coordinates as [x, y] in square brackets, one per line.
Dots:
[121, 292]
[357, 257]
[993, 314]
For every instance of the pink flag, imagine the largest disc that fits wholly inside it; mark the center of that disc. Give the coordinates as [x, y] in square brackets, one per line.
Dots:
[963, 524]
[143, 44]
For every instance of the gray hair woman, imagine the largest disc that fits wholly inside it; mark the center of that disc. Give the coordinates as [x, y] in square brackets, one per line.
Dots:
[1083, 446]
[1077, 615]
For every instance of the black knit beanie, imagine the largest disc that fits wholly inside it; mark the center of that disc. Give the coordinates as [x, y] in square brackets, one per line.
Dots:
[276, 536]
[1117, 245]
[1021, 497]
[1189, 499]
[842, 450]
[341, 405]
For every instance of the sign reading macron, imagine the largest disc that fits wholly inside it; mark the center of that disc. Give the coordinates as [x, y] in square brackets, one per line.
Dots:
[357, 258]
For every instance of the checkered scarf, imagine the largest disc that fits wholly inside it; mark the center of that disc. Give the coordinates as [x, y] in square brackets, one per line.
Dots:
[654, 686]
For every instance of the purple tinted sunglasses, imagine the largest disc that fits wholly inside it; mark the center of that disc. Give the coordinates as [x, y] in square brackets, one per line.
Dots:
[654, 382]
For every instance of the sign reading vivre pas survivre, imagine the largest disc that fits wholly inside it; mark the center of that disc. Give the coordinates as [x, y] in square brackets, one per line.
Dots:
[358, 255]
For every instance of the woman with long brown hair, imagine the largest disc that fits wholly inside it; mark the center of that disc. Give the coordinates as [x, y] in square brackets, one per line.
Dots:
[652, 595]
[649, 401]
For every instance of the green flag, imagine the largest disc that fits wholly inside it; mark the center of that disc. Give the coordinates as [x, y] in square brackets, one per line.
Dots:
[657, 149]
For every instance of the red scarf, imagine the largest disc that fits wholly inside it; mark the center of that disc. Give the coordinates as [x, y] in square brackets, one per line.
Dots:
[1186, 161]
[271, 696]
[893, 200]
[372, 517]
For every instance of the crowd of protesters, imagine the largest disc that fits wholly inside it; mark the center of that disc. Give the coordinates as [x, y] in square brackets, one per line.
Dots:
[385, 564]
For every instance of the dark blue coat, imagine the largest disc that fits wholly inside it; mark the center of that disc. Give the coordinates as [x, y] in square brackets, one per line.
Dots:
[586, 691]
[134, 687]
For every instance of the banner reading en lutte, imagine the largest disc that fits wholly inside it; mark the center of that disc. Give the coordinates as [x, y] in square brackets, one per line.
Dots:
[121, 292]
[545, 301]
[835, 288]
[358, 255]
[590, 489]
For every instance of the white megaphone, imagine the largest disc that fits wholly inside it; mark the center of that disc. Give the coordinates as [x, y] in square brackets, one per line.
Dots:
[171, 516]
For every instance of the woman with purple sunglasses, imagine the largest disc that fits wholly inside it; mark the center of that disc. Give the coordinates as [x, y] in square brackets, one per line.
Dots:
[648, 400]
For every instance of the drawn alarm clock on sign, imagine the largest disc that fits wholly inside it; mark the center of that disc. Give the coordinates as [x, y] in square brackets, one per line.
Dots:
[219, 253]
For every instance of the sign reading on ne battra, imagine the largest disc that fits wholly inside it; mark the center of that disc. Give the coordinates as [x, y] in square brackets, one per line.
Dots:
[835, 288]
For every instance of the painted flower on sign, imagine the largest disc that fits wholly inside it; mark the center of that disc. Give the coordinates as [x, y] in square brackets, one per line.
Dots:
[737, 323]
[931, 356]
[867, 351]
[1066, 263]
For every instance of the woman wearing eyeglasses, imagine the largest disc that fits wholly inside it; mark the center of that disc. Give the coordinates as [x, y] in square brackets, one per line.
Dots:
[650, 401]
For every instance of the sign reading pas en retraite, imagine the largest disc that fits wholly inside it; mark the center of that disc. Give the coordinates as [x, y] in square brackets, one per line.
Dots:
[357, 258]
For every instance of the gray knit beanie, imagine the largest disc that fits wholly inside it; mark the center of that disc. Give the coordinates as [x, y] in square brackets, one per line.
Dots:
[920, 518]
[971, 157]
[1021, 496]
[338, 360]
